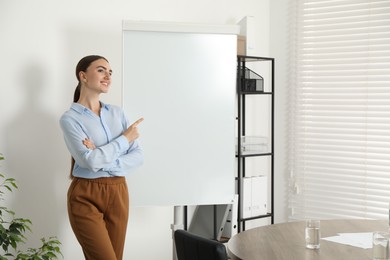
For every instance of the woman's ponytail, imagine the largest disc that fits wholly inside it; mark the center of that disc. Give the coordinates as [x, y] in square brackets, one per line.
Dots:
[76, 95]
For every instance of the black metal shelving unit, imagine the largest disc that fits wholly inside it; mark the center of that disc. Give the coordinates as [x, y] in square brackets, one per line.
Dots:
[241, 121]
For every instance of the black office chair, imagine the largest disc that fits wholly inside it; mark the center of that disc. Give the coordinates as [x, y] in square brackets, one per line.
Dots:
[192, 247]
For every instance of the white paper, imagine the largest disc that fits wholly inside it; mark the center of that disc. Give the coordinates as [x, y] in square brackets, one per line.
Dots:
[362, 240]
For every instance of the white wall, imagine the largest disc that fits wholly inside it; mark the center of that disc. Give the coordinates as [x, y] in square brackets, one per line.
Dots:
[279, 49]
[41, 42]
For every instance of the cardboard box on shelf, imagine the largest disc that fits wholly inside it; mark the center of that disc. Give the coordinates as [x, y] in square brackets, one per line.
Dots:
[241, 45]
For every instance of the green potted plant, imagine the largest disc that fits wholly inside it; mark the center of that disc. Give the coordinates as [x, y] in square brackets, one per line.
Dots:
[12, 231]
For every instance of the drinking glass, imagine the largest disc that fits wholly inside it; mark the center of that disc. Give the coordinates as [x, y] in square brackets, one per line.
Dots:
[312, 234]
[380, 245]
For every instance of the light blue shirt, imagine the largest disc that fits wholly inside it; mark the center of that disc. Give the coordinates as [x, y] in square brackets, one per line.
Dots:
[113, 156]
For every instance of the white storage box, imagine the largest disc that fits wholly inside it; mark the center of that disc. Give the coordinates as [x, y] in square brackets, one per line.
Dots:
[253, 144]
[254, 196]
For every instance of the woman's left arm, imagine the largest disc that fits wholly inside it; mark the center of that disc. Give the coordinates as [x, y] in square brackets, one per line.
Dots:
[127, 162]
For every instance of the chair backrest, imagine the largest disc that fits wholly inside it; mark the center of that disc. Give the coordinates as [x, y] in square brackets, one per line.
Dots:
[192, 247]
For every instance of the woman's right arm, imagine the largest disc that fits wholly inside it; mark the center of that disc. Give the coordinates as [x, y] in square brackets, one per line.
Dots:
[127, 162]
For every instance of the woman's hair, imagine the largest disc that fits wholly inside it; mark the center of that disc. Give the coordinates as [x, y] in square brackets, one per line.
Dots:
[82, 65]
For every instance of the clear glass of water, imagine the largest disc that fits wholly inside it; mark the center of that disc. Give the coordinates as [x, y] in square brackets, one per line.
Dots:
[312, 234]
[380, 245]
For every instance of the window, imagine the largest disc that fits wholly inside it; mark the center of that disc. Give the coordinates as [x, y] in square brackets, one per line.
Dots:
[339, 156]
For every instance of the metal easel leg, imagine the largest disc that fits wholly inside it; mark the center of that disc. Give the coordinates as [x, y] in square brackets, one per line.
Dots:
[178, 220]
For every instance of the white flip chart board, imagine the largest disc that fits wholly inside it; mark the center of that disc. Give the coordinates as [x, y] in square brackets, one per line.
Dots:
[181, 79]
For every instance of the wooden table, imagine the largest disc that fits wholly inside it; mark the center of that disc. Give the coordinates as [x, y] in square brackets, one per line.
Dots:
[286, 241]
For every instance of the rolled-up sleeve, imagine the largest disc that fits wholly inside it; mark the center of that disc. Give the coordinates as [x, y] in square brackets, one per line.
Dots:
[127, 162]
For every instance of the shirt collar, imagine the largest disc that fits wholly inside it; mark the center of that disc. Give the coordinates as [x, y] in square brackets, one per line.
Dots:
[82, 109]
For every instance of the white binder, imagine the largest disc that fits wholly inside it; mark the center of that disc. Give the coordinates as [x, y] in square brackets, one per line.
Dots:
[246, 197]
[259, 195]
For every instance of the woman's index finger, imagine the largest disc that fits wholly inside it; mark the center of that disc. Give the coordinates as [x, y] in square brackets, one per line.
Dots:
[136, 123]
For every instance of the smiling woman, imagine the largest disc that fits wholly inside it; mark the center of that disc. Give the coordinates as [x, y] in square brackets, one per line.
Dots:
[96, 79]
[104, 149]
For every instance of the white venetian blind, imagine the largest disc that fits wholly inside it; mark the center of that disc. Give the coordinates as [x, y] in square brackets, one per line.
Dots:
[340, 109]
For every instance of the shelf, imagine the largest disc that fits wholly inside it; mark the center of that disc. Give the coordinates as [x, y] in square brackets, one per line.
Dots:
[257, 217]
[255, 93]
[255, 154]
[251, 82]
[253, 58]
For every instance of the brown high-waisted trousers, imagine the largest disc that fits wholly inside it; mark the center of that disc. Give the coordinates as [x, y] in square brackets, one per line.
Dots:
[98, 213]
